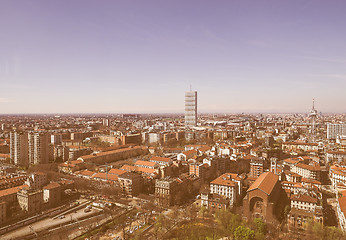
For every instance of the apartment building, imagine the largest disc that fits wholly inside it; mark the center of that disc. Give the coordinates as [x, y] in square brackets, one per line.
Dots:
[256, 167]
[199, 169]
[38, 147]
[165, 191]
[227, 185]
[146, 164]
[19, 148]
[30, 200]
[335, 130]
[162, 161]
[303, 202]
[52, 194]
[337, 175]
[36, 180]
[307, 171]
[130, 183]
[336, 156]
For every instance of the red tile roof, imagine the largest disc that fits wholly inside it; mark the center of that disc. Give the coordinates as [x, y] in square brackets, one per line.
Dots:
[303, 198]
[226, 179]
[309, 167]
[116, 171]
[145, 163]
[190, 152]
[105, 176]
[265, 182]
[160, 159]
[11, 190]
[87, 173]
[52, 185]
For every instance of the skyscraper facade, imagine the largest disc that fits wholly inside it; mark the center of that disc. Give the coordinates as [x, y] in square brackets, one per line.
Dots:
[19, 148]
[38, 147]
[190, 109]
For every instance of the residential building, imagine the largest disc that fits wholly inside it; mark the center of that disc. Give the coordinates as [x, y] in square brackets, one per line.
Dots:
[146, 164]
[36, 180]
[199, 169]
[165, 191]
[337, 175]
[227, 185]
[19, 148]
[213, 201]
[52, 194]
[162, 161]
[56, 139]
[38, 147]
[298, 219]
[335, 130]
[30, 200]
[307, 171]
[130, 183]
[303, 202]
[336, 156]
[256, 167]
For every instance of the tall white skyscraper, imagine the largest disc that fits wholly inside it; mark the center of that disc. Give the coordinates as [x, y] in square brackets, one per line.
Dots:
[190, 109]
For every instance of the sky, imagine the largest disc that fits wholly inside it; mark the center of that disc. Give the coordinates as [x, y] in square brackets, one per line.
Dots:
[81, 56]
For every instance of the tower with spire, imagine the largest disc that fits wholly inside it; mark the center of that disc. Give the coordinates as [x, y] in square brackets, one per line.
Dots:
[313, 116]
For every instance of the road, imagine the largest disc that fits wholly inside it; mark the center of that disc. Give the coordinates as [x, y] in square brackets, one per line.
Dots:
[47, 223]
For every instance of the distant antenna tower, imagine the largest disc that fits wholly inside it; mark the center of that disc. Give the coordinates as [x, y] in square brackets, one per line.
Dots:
[313, 115]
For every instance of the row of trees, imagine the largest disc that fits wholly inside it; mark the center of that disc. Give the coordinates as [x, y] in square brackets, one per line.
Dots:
[192, 223]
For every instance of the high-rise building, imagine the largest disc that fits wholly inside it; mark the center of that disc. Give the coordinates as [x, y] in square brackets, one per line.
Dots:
[190, 109]
[336, 130]
[38, 147]
[19, 148]
[56, 139]
[256, 167]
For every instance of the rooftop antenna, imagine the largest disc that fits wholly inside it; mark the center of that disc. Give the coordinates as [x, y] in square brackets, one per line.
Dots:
[190, 88]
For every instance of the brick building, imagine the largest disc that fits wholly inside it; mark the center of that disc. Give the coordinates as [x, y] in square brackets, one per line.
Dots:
[265, 198]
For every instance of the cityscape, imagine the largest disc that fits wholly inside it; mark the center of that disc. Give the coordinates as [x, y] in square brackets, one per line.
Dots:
[172, 120]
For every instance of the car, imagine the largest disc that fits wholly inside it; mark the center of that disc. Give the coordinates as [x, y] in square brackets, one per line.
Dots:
[62, 216]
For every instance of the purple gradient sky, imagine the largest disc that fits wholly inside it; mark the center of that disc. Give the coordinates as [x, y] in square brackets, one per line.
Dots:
[140, 56]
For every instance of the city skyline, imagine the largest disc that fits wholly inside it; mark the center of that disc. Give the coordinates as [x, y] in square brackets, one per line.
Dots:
[140, 57]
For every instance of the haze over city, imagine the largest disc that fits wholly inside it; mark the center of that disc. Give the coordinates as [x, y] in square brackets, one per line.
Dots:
[173, 120]
[140, 56]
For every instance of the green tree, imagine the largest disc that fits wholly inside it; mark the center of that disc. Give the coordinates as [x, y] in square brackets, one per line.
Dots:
[260, 229]
[334, 233]
[203, 211]
[227, 221]
[243, 233]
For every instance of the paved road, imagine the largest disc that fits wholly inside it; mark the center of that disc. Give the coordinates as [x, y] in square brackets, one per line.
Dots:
[47, 223]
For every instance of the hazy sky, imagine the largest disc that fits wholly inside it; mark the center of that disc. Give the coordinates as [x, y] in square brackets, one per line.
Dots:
[69, 56]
